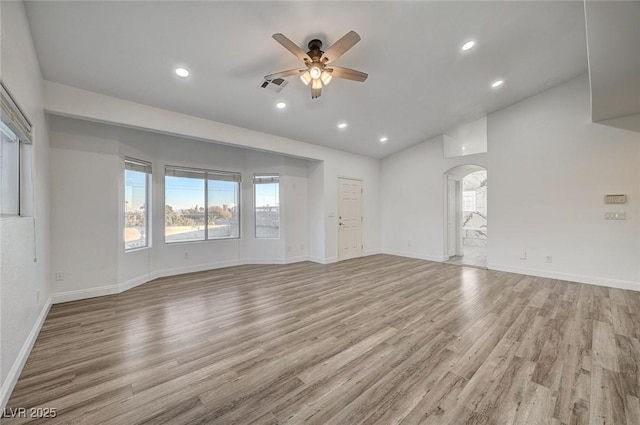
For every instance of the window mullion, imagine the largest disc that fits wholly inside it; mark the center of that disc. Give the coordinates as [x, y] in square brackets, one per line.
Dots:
[206, 208]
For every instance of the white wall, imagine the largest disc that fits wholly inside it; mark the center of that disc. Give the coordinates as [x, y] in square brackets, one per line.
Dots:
[71, 102]
[412, 199]
[24, 283]
[550, 166]
[548, 169]
[88, 185]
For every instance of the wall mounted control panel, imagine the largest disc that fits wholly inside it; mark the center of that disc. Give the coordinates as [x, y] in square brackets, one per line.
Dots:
[615, 199]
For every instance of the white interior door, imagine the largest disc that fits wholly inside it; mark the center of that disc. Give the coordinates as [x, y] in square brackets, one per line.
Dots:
[453, 216]
[349, 218]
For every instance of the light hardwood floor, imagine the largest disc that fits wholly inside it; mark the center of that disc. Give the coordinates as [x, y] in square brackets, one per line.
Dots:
[376, 340]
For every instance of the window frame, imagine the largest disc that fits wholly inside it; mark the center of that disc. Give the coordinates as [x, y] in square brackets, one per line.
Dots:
[206, 175]
[15, 123]
[143, 167]
[265, 178]
[17, 175]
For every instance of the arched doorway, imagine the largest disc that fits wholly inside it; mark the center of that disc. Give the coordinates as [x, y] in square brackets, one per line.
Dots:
[466, 218]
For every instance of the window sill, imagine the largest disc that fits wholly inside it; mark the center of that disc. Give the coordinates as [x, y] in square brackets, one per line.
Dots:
[142, 248]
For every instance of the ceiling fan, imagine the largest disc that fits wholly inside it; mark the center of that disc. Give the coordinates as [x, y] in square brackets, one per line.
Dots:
[317, 71]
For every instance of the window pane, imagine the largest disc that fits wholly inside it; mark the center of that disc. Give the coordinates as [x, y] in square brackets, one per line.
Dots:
[267, 201]
[224, 214]
[184, 209]
[469, 200]
[9, 174]
[135, 209]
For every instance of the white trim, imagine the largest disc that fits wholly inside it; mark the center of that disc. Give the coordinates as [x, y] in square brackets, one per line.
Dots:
[136, 281]
[298, 259]
[371, 252]
[414, 255]
[318, 260]
[195, 268]
[14, 373]
[263, 261]
[589, 280]
[82, 294]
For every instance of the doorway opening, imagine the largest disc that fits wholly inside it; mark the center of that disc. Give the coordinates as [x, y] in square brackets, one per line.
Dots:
[466, 216]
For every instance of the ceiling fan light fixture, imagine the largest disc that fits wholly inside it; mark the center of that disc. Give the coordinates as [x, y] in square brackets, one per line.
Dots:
[325, 77]
[306, 78]
[315, 72]
[316, 84]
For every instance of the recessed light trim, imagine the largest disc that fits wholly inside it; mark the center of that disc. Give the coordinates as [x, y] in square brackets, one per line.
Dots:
[384, 139]
[497, 83]
[342, 125]
[182, 72]
[281, 105]
[468, 45]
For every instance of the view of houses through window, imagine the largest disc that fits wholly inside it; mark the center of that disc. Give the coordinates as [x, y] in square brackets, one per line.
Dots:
[137, 178]
[201, 205]
[267, 205]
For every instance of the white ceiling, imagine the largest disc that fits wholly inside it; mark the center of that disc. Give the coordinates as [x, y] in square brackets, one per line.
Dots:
[420, 82]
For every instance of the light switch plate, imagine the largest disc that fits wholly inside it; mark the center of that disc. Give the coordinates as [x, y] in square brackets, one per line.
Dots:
[615, 216]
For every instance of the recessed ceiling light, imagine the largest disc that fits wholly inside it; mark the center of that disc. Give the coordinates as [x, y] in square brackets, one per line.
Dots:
[383, 139]
[497, 83]
[182, 72]
[281, 105]
[342, 125]
[468, 45]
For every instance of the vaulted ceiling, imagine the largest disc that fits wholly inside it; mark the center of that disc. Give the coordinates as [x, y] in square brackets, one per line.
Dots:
[420, 81]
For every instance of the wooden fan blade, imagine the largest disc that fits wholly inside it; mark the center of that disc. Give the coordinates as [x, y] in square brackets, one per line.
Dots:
[291, 46]
[338, 48]
[283, 74]
[315, 93]
[349, 74]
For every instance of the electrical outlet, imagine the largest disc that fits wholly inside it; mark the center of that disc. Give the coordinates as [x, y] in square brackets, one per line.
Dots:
[37, 296]
[301, 247]
[186, 256]
[548, 259]
[288, 248]
[59, 276]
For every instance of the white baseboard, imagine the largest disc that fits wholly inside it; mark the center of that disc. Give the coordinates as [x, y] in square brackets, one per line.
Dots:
[298, 259]
[263, 261]
[371, 252]
[16, 369]
[590, 280]
[82, 294]
[195, 268]
[414, 255]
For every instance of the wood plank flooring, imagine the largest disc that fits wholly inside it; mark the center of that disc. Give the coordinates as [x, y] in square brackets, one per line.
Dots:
[376, 340]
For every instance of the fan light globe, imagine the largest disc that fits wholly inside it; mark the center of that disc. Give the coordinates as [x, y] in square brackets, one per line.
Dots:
[306, 78]
[316, 84]
[315, 72]
[325, 77]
